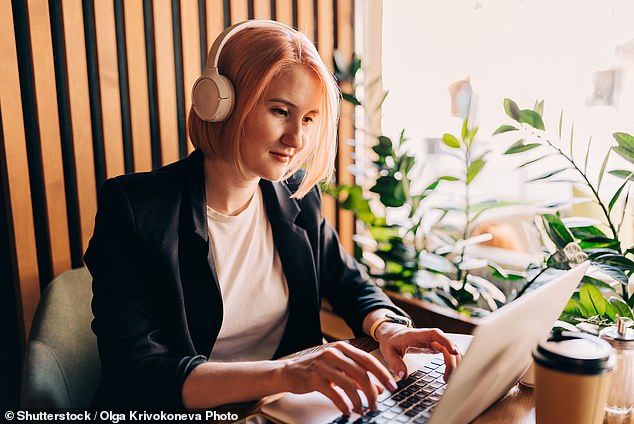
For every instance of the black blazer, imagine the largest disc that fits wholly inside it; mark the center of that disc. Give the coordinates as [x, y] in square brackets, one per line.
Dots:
[157, 304]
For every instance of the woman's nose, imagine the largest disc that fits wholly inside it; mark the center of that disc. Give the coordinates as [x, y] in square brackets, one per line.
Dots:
[293, 136]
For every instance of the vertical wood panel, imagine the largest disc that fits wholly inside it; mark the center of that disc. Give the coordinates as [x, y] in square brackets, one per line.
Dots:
[215, 21]
[137, 81]
[262, 9]
[239, 11]
[28, 286]
[48, 118]
[191, 51]
[284, 11]
[306, 18]
[109, 86]
[325, 46]
[165, 80]
[345, 43]
[80, 115]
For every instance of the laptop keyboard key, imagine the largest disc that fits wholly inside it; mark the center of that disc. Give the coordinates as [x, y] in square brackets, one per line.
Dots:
[389, 402]
[402, 419]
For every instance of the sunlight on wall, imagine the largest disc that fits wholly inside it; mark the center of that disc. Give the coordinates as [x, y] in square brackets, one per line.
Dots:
[524, 50]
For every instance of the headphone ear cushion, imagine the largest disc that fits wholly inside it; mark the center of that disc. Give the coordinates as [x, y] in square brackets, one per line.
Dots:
[213, 97]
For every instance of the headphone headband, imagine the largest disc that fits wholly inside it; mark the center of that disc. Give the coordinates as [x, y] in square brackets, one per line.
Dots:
[221, 40]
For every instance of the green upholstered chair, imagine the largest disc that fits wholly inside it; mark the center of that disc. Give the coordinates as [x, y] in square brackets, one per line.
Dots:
[61, 365]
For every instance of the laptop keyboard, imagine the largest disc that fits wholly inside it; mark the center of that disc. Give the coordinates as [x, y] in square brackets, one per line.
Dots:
[412, 402]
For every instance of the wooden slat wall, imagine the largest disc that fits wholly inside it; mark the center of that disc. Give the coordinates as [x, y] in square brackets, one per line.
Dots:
[93, 89]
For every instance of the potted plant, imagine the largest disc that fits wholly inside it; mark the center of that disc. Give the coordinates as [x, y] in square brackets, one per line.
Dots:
[424, 263]
[597, 302]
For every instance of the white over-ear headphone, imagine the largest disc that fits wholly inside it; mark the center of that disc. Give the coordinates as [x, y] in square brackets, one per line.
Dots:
[213, 94]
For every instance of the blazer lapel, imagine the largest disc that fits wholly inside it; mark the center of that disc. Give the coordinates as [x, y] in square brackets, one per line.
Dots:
[201, 291]
[296, 255]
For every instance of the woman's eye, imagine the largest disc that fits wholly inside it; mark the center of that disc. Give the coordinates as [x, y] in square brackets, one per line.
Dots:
[280, 112]
[308, 120]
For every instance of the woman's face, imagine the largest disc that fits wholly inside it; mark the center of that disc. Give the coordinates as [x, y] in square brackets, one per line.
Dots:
[281, 123]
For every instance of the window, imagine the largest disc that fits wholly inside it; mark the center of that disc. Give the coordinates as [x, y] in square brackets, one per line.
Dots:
[525, 50]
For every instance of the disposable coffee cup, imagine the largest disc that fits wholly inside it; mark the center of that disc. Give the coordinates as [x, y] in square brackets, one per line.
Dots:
[572, 378]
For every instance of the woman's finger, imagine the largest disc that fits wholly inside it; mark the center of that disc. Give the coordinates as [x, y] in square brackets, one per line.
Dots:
[340, 379]
[370, 363]
[338, 359]
[395, 361]
[329, 391]
[450, 360]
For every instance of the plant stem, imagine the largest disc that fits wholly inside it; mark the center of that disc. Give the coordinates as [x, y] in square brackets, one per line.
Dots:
[465, 234]
[528, 284]
[594, 191]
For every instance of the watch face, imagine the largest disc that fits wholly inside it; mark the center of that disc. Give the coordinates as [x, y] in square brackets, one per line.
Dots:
[398, 320]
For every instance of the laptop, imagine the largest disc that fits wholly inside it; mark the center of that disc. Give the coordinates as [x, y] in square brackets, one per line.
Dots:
[497, 355]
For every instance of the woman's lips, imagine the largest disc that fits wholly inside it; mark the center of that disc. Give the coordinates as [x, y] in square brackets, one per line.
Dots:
[282, 157]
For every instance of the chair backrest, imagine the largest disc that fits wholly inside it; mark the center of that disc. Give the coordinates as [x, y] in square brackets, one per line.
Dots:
[61, 366]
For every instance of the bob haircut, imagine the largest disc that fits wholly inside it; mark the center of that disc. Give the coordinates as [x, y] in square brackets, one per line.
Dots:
[251, 58]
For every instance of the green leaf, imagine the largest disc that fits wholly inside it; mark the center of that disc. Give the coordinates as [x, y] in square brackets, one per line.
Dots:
[612, 271]
[539, 107]
[602, 171]
[474, 169]
[622, 173]
[621, 307]
[610, 311]
[624, 153]
[390, 191]
[547, 175]
[356, 202]
[625, 140]
[519, 147]
[585, 165]
[351, 98]
[535, 160]
[618, 261]
[598, 242]
[471, 135]
[511, 109]
[586, 232]
[451, 141]
[556, 230]
[574, 307]
[618, 193]
[594, 253]
[355, 65]
[384, 147]
[504, 128]
[597, 283]
[531, 118]
[592, 299]
[465, 129]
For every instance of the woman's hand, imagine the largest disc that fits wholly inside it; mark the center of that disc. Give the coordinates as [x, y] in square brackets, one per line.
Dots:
[396, 340]
[339, 364]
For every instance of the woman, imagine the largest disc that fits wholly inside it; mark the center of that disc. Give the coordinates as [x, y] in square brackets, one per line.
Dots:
[208, 269]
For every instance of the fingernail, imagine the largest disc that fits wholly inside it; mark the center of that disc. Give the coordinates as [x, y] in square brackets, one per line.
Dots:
[401, 374]
[392, 385]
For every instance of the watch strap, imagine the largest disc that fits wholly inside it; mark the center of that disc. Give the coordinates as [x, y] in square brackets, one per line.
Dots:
[389, 318]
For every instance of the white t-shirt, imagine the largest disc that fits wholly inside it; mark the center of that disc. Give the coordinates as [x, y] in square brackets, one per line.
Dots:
[252, 284]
